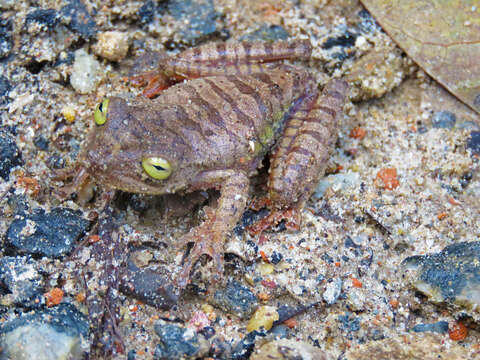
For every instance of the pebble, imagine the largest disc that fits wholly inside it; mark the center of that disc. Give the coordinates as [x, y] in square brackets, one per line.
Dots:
[5, 88]
[112, 45]
[19, 275]
[267, 32]
[344, 39]
[77, 18]
[51, 234]
[41, 20]
[332, 291]
[86, 69]
[9, 154]
[451, 276]
[236, 299]
[6, 40]
[148, 286]
[443, 120]
[440, 327]
[287, 349]
[146, 13]
[200, 17]
[349, 323]
[264, 318]
[473, 142]
[177, 342]
[51, 334]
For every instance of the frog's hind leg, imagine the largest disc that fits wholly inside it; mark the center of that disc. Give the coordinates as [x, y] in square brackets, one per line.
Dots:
[301, 155]
[222, 58]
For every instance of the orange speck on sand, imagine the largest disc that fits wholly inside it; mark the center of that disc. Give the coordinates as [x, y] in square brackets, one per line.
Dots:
[356, 283]
[452, 201]
[337, 264]
[389, 178]
[457, 331]
[442, 216]
[29, 184]
[80, 297]
[291, 323]
[92, 239]
[394, 303]
[53, 297]
[264, 256]
[263, 296]
[358, 133]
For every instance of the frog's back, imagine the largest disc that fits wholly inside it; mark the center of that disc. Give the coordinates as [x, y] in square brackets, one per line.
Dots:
[235, 119]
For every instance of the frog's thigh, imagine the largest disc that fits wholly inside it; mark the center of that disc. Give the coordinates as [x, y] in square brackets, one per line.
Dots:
[303, 151]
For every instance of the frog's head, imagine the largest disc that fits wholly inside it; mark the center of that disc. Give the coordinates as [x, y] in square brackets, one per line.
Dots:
[131, 148]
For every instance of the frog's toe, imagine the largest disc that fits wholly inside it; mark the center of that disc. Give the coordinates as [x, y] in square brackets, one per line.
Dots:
[153, 81]
[292, 217]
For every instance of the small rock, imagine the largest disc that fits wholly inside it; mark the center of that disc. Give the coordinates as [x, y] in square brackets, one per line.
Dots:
[443, 120]
[146, 13]
[176, 342]
[6, 40]
[332, 291]
[474, 142]
[451, 276]
[236, 299]
[149, 286]
[77, 18]
[5, 88]
[41, 20]
[267, 33]
[9, 154]
[41, 143]
[425, 346]
[349, 323]
[286, 349]
[51, 334]
[86, 69]
[112, 45]
[50, 234]
[199, 17]
[20, 276]
[440, 327]
[264, 318]
[344, 39]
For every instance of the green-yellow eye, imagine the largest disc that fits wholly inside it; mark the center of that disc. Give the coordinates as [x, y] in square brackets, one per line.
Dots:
[100, 114]
[157, 168]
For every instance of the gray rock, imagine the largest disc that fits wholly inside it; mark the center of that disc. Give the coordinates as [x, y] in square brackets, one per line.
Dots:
[199, 16]
[50, 234]
[473, 142]
[6, 40]
[5, 88]
[444, 120]
[451, 276]
[440, 327]
[9, 154]
[332, 291]
[236, 299]
[175, 342]
[20, 277]
[50, 334]
[43, 19]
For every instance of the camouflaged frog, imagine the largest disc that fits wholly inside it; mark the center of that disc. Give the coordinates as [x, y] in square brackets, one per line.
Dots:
[233, 104]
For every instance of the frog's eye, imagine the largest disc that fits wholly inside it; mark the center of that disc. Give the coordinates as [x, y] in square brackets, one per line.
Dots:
[157, 168]
[100, 114]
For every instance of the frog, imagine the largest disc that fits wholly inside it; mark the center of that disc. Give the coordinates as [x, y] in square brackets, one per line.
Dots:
[208, 118]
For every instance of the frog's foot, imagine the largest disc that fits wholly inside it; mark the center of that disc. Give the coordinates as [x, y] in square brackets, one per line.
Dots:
[153, 81]
[80, 180]
[292, 217]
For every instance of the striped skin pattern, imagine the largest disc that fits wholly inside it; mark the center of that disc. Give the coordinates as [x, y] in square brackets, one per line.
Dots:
[238, 103]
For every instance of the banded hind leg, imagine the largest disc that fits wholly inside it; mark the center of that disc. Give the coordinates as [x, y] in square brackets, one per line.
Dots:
[302, 154]
[223, 58]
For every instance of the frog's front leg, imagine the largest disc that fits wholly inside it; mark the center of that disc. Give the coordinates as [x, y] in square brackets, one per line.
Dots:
[209, 237]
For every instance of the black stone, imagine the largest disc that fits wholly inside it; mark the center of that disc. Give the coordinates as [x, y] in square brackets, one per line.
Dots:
[250, 217]
[41, 143]
[276, 257]
[6, 40]
[207, 332]
[5, 88]
[347, 39]
[46, 18]
[267, 33]
[236, 299]
[349, 323]
[173, 342]
[20, 277]
[474, 142]
[444, 120]
[77, 19]
[9, 154]
[54, 233]
[244, 348]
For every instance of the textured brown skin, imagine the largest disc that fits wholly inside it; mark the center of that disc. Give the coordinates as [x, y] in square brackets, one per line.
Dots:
[215, 130]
